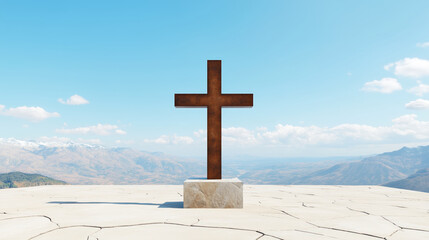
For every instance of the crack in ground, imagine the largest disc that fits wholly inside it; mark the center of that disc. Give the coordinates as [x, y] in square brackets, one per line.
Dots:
[351, 209]
[402, 198]
[367, 213]
[329, 228]
[310, 232]
[401, 227]
[31, 216]
[65, 227]
[88, 238]
[100, 228]
[289, 214]
[349, 231]
[230, 228]
[303, 204]
[262, 235]
[390, 221]
[239, 229]
[320, 234]
[140, 224]
[415, 229]
[398, 206]
[394, 233]
[50, 219]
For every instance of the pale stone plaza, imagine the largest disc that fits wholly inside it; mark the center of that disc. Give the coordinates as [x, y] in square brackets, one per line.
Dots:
[269, 212]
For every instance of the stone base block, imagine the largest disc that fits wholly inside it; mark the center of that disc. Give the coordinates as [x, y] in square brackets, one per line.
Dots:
[213, 193]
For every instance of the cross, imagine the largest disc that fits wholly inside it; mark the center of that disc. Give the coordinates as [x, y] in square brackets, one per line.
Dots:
[214, 100]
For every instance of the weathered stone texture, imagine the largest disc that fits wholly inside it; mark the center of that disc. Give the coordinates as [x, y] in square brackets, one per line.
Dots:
[208, 193]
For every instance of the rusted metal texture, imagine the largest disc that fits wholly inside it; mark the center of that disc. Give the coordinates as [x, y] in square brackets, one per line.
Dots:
[214, 100]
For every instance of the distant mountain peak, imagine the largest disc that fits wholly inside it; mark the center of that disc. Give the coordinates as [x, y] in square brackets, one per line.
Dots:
[378, 169]
[94, 164]
[36, 145]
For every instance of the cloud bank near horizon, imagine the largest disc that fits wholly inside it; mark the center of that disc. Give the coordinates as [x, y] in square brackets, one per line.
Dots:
[404, 128]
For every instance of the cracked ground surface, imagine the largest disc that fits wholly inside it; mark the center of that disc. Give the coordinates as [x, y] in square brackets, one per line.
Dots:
[156, 212]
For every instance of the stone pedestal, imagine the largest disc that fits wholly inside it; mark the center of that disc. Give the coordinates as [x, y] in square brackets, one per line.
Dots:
[213, 193]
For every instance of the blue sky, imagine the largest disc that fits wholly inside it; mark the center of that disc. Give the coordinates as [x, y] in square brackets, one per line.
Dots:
[329, 78]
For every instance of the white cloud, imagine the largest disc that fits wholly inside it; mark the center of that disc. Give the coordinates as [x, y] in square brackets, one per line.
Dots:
[200, 133]
[261, 129]
[34, 114]
[296, 135]
[54, 139]
[410, 67]
[408, 125]
[234, 135]
[406, 129]
[423, 45]
[238, 135]
[385, 85]
[420, 89]
[99, 129]
[418, 104]
[89, 141]
[120, 132]
[74, 100]
[164, 139]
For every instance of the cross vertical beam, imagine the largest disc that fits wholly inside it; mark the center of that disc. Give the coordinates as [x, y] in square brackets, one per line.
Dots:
[214, 120]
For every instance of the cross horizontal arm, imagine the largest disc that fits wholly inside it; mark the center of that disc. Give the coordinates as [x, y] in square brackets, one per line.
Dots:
[237, 100]
[190, 100]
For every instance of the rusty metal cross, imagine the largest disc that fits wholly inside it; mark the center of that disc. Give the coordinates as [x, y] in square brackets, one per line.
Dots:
[214, 100]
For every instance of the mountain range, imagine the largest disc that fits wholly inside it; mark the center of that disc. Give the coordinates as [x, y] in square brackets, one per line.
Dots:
[77, 163]
[374, 170]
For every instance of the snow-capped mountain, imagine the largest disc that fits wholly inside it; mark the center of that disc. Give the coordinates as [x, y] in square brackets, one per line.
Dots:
[79, 163]
[32, 145]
